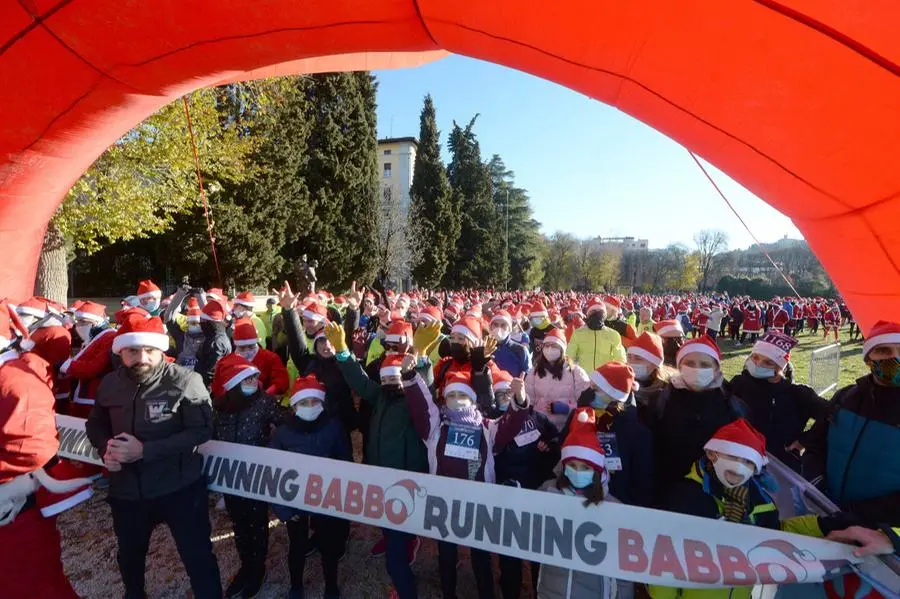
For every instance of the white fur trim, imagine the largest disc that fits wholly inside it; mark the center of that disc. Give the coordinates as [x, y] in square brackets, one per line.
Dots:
[640, 352]
[502, 386]
[505, 319]
[89, 316]
[157, 294]
[671, 328]
[245, 303]
[464, 330]
[314, 316]
[462, 387]
[242, 374]
[561, 343]
[246, 342]
[877, 340]
[697, 348]
[774, 353]
[427, 318]
[600, 380]
[585, 454]
[737, 450]
[48, 511]
[205, 316]
[390, 371]
[397, 339]
[31, 311]
[158, 341]
[306, 393]
[595, 307]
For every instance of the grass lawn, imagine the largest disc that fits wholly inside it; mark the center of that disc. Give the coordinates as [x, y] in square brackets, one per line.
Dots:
[852, 365]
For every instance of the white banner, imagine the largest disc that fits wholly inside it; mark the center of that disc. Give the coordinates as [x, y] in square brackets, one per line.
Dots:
[610, 539]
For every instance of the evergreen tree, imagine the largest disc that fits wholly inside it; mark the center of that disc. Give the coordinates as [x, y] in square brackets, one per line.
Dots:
[514, 211]
[479, 250]
[433, 223]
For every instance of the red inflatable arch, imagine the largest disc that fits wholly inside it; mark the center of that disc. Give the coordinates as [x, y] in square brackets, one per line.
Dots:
[799, 100]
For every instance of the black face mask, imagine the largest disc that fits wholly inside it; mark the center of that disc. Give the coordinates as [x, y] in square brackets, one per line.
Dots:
[460, 352]
[392, 390]
[671, 345]
[595, 321]
[211, 327]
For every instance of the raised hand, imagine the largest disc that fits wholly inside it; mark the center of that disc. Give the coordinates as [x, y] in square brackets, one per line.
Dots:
[490, 346]
[335, 334]
[409, 363]
[425, 338]
[355, 297]
[287, 299]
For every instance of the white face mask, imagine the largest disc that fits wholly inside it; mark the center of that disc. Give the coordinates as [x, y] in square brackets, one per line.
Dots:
[249, 388]
[727, 464]
[248, 352]
[697, 378]
[458, 403]
[758, 372]
[642, 371]
[150, 305]
[501, 333]
[84, 331]
[580, 479]
[239, 313]
[536, 320]
[309, 413]
[552, 354]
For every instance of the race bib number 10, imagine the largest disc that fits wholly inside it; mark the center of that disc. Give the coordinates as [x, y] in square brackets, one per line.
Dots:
[463, 442]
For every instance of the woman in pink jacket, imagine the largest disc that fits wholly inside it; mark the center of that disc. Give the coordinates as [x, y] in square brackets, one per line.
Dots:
[554, 377]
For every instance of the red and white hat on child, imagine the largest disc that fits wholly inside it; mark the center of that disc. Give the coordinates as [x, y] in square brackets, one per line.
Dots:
[246, 299]
[741, 440]
[647, 347]
[147, 289]
[316, 312]
[399, 332]
[776, 346]
[470, 328]
[669, 328]
[501, 380]
[502, 316]
[704, 345]
[537, 309]
[214, 310]
[230, 371]
[91, 311]
[595, 304]
[245, 333]
[581, 443]
[391, 366]
[429, 315]
[460, 380]
[306, 387]
[137, 331]
[615, 379]
[556, 337]
[882, 333]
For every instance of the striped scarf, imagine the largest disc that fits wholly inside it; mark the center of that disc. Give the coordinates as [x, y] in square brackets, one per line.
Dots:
[734, 501]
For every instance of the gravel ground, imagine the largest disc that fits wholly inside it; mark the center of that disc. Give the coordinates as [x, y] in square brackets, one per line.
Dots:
[89, 557]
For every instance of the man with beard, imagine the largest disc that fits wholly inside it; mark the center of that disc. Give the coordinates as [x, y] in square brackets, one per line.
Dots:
[148, 418]
[596, 344]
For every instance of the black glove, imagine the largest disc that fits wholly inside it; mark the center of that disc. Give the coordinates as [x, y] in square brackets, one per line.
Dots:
[586, 398]
[477, 359]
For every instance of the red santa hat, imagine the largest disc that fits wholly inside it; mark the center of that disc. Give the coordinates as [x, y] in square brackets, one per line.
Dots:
[741, 440]
[246, 299]
[537, 309]
[612, 303]
[581, 443]
[391, 366]
[217, 294]
[502, 380]
[469, 327]
[306, 387]
[316, 312]
[429, 315]
[882, 333]
[147, 289]
[459, 379]
[556, 337]
[594, 304]
[214, 310]
[399, 332]
[92, 312]
[141, 332]
[230, 371]
[668, 328]
[647, 347]
[12, 327]
[35, 306]
[776, 346]
[704, 345]
[193, 311]
[615, 379]
[125, 313]
[502, 316]
[245, 333]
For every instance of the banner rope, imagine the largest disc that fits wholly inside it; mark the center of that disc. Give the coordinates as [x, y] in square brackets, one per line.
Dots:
[209, 225]
[755, 240]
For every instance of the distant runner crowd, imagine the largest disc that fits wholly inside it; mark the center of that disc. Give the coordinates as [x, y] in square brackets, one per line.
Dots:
[607, 398]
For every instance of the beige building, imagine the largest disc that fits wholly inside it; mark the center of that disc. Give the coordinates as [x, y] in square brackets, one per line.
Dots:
[396, 159]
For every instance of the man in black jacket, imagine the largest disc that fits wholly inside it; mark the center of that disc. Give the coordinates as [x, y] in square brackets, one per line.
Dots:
[148, 418]
[216, 344]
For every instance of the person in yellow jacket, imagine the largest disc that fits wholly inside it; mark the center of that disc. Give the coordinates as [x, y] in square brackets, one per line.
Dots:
[595, 344]
[244, 304]
[645, 321]
[728, 483]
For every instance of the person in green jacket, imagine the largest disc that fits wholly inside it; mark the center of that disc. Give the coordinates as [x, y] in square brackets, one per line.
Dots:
[244, 304]
[596, 344]
[393, 441]
[729, 483]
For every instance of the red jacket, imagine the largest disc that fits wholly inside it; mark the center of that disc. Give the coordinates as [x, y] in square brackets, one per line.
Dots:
[54, 344]
[751, 321]
[780, 319]
[89, 367]
[273, 376]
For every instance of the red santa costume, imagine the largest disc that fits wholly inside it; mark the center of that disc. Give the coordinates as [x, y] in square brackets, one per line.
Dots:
[92, 363]
[52, 340]
[752, 321]
[832, 322]
[32, 492]
[273, 376]
[779, 319]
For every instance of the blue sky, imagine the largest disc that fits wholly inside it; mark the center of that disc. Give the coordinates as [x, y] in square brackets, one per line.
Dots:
[589, 168]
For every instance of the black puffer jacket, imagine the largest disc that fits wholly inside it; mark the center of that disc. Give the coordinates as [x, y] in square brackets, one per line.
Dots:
[246, 420]
[216, 345]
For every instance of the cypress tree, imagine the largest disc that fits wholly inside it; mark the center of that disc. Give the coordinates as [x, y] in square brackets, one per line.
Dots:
[433, 223]
[515, 216]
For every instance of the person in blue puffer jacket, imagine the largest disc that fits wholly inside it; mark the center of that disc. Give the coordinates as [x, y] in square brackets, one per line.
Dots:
[857, 449]
[316, 433]
[509, 356]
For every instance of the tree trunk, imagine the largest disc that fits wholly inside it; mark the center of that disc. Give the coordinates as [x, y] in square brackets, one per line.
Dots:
[52, 280]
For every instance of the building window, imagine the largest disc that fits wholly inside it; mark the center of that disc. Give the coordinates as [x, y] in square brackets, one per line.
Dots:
[387, 169]
[387, 152]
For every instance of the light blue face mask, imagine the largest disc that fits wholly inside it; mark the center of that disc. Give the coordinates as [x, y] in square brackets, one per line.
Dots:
[580, 479]
[249, 390]
[600, 401]
[758, 372]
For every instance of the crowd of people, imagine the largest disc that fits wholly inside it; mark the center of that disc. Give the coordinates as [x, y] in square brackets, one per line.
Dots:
[606, 398]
